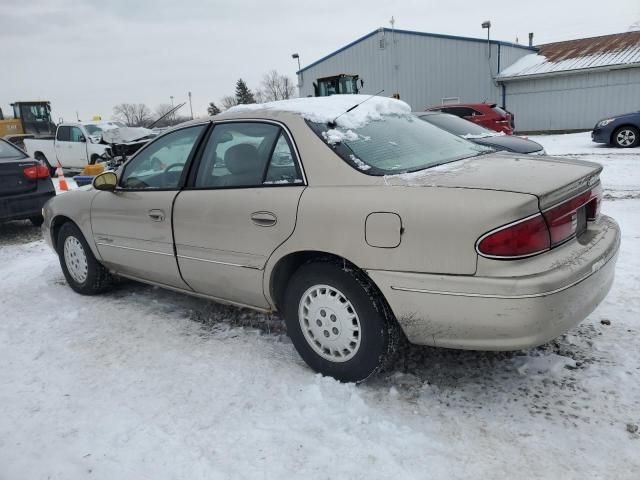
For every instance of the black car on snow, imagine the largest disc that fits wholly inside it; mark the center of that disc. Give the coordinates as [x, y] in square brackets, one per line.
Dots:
[25, 185]
[480, 135]
[621, 131]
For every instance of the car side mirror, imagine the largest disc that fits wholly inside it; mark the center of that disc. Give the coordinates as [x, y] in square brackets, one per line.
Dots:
[82, 139]
[106, 181]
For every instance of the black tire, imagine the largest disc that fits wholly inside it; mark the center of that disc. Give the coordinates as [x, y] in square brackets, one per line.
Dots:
[37, 220]
[626, 136]
[378, 330]
[97, 279]
[41, 158]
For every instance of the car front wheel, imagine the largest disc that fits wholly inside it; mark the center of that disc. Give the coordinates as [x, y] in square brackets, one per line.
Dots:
[626, 137]
[338, 322]
[83, 272]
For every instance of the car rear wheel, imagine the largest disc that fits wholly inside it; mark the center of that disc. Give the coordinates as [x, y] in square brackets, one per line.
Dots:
[83, 272]
[626, 137]
[338, 322]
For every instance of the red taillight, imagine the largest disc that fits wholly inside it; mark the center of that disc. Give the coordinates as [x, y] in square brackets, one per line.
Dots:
[521, 239]
[37, 171]
[541, 232]
[593, 207]
[563, 219]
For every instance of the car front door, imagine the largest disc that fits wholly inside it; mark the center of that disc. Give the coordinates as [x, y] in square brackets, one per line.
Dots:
[64, 146]
[239, 207]
[77, 148]
[132, 225]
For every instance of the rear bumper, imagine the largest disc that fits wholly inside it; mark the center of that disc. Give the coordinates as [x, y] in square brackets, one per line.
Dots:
[17, 207]
[506, 311]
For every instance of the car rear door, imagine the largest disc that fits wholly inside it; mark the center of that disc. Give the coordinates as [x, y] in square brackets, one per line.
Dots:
[132, 225]
[240, 205]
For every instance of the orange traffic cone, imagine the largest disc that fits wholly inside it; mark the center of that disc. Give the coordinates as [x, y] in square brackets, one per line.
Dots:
[62, 183]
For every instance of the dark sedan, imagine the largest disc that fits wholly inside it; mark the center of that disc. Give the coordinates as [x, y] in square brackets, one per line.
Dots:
[621, 131]
[480, 135]
[25, 185]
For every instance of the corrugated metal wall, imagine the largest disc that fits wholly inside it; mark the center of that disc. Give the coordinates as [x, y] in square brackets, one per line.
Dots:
[422, 69]
[577, 101]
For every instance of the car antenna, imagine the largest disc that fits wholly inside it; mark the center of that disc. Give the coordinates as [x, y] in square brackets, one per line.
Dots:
[332, 124]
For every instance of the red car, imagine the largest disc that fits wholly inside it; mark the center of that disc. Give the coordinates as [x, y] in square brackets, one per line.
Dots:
[489, 115]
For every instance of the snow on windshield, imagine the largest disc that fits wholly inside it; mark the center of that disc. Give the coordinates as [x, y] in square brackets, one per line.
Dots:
[327, 109]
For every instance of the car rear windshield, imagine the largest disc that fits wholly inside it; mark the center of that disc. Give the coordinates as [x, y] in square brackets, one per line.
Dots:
[500, 111]
[9, 152]
[396, 144]
[456, 125]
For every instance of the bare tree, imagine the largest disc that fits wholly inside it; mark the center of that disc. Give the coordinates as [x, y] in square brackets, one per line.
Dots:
[276, 87]
[134, 115]
[228, 101]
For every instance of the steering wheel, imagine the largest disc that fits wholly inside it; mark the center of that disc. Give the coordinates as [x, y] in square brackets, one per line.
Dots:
[172, 166]
[168, 179]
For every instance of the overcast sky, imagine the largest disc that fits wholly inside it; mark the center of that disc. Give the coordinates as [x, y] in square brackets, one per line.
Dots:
[87, 56]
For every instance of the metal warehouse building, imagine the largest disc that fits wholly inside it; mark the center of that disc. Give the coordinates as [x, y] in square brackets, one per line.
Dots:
[571, 85]
[423, 68]
[559, 86]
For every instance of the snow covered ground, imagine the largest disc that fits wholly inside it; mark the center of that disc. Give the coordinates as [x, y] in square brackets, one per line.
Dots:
[621, 175]
[142, 383]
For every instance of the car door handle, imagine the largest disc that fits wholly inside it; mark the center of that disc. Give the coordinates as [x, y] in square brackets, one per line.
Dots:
[156, 215]
[264, 219]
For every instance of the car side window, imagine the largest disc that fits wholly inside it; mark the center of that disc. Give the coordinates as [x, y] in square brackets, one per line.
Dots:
[63, 134]
[246, 154]
[160, 164]
[76, 135]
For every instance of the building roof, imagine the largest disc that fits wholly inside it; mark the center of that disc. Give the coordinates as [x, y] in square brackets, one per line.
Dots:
[619, 50]
[411, 32]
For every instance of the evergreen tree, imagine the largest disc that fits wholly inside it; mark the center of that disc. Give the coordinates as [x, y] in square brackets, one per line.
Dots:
[243, 94]
[212, 109]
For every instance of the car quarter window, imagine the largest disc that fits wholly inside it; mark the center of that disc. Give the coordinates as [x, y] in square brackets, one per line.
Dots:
[160, 164]
[76, 135]
[63, 134]
[247, 154]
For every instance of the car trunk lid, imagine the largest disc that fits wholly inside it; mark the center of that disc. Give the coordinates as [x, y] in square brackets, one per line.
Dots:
[552, 180]
[13, 180]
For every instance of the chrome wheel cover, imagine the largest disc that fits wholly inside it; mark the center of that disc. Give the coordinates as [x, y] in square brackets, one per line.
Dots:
[625, 138]
[329, 323]
[75, 259]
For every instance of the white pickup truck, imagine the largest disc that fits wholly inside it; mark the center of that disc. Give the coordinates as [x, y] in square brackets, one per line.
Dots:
[75, 145]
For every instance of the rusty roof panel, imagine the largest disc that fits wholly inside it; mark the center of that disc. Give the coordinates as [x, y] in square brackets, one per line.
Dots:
[607, 50]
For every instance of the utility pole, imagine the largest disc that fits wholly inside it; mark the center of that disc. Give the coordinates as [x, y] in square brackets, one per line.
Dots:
[396, 67]
[190, 106]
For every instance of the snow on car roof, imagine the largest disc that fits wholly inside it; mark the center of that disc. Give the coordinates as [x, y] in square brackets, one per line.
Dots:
[327, 109]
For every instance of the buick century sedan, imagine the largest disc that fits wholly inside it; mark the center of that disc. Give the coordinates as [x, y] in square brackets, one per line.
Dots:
[357, 221]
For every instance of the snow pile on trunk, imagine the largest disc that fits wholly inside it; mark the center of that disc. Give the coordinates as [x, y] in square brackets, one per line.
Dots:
[327, 109]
